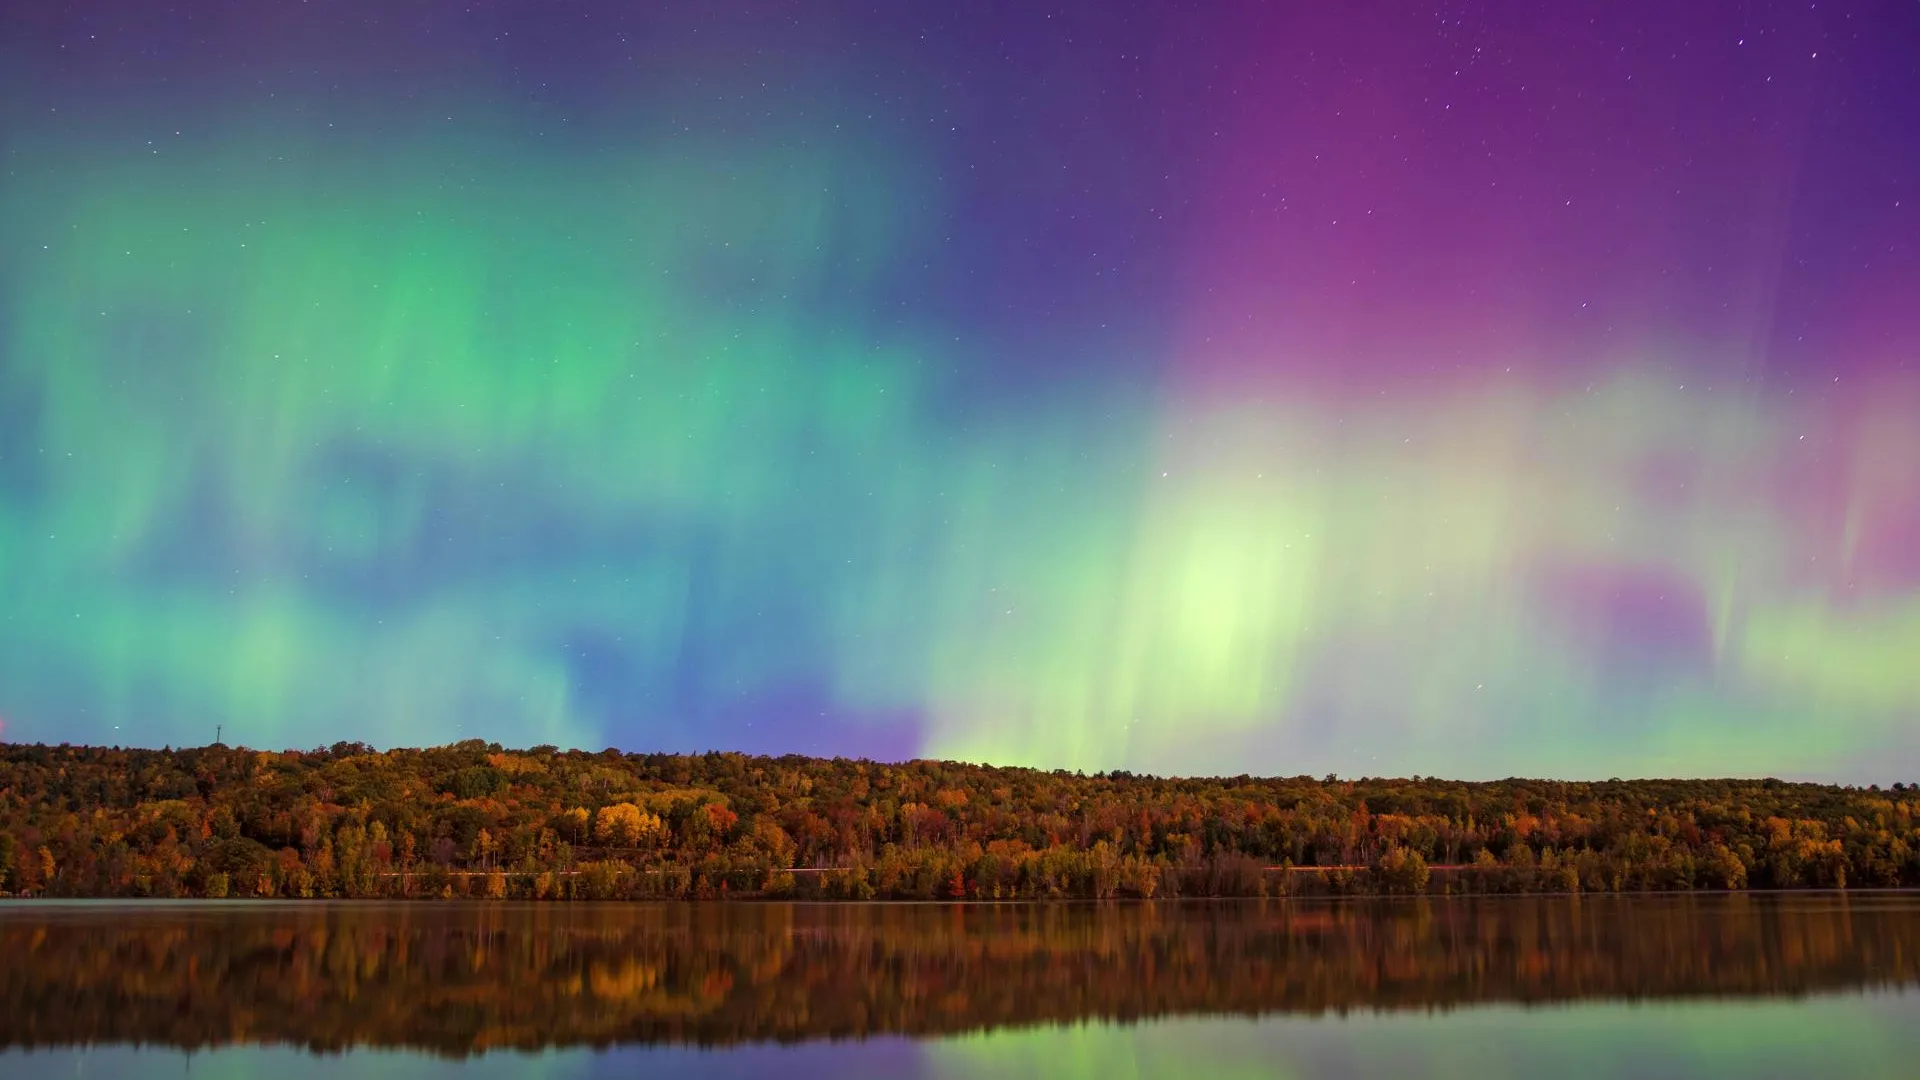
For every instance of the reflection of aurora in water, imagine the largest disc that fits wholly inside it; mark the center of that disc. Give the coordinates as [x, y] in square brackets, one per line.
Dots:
[464, 979]
[1845, 1036]
[1705, 979]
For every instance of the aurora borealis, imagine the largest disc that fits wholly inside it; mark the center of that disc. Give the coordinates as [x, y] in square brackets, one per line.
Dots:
[1496, 389]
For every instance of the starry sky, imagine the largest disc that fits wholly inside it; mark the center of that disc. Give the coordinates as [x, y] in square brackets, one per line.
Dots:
[1382, 388]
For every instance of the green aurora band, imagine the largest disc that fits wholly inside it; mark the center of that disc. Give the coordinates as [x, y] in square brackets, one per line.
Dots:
[466, 443]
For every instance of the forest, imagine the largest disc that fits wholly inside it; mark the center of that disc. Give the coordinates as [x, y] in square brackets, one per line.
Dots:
[476, 820]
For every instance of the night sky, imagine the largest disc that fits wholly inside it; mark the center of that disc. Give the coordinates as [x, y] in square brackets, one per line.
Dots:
[1380, 388]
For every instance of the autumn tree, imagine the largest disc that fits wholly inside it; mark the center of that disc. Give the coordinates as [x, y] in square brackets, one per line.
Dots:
[626, 825]
[1403, 871]
[352, 822]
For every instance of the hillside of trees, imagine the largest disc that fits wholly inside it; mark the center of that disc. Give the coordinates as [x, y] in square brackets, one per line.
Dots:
[459, 979]
[476, 820]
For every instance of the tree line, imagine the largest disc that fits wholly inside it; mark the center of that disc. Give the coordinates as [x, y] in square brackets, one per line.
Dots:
[474, 819]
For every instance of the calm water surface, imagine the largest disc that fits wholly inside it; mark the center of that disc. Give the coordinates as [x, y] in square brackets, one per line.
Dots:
[1785, 985]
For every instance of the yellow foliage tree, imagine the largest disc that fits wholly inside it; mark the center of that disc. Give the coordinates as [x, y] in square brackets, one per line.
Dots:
[576, 822]
[626, 825]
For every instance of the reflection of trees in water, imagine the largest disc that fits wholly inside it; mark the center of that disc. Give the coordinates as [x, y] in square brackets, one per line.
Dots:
[463, 979]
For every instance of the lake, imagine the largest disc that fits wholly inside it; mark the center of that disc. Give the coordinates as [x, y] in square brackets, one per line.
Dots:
[1796, 985]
